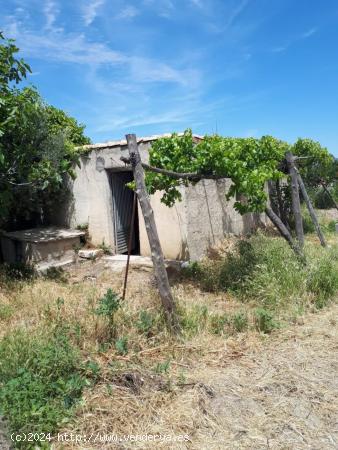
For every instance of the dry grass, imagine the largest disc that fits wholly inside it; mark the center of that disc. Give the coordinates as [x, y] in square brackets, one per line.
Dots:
[240, 391]
[279, 394]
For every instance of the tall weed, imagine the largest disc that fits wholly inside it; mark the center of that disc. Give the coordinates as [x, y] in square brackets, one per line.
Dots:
[40, 380]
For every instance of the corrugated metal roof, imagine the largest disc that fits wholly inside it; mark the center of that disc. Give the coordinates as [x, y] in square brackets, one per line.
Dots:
[123, 142]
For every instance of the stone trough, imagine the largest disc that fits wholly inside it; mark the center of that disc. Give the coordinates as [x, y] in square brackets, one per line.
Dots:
[44, 247]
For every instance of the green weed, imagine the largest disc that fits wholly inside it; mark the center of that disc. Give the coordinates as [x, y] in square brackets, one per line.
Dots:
[218, 322]
[108, 305]
[240, 321]
[323, 282]
[40, 381]
[121, 345]
[145, 322]
[193, 320]
[6, 312]
[56, 274]
[163, 367]
[264, 321]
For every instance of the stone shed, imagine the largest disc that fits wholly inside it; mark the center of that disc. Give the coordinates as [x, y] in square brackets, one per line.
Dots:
[101, 200]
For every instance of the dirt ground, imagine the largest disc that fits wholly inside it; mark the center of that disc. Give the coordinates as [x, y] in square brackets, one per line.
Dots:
[280, 392]
[281, 395]
[249, 392]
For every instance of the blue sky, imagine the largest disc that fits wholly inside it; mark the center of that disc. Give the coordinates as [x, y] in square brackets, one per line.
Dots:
[236, 67]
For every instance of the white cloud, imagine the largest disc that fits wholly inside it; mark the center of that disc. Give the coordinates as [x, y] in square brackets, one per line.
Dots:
[163, 8]
[279, 49]
[90, 11]
[296, 39]
[235, 13]
[57, 45]
[50, 11]
[198, 3]
[65, 48]
[129, 12]
[149, 70]
[309, 33]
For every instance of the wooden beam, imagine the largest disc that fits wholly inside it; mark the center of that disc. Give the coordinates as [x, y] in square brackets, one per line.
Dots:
[154, 242]
[295, 199]
[193, 176]
[283, 231]
[310, 208]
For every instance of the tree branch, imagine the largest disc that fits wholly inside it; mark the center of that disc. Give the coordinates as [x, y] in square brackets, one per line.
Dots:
[193, 176]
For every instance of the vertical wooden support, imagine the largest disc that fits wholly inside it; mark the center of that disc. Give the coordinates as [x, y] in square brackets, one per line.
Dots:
[310, 208]
[283, 214]
[154, 242]
[295, 199]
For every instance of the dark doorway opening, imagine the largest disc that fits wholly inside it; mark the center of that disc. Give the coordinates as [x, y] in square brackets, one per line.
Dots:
[122, 213]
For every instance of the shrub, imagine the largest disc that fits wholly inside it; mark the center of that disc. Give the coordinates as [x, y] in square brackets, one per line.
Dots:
[145, 322]
[237, 267]
[265, 270]
[264, 321]
[240, 321]
[227, 273]
[18, 271]
[108, 305]
[6, 312]
[322, 200]
[194, 319]
[308, 225]
[40, 381]
[121, 345]
[56, 274]
[218, 322]
[323, 280]
[105, 248]
[330, 227]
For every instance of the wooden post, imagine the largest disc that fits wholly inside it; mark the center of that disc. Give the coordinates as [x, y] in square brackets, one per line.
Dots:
[154, 242]
[281, 206]
[283, 231]
[310, 208]
[295, 199]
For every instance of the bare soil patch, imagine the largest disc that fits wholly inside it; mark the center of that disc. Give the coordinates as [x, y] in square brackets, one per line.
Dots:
[278, 392]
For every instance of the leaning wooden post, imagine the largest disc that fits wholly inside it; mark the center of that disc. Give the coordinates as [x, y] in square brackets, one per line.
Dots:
[283, 231]
[154, 242]
[310, 208]
[295, 199]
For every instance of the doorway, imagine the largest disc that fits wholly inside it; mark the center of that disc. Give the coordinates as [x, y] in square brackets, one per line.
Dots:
[122, 213]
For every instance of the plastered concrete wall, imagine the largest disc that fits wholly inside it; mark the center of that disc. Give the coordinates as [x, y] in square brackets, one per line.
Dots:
[92, 200]
[91, 204]
[171, 226]
[210, 216]
[187, 230]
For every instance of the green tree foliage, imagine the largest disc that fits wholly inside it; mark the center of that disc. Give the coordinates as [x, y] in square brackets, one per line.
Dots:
[319, 165]
[37, 145]
[249, 162]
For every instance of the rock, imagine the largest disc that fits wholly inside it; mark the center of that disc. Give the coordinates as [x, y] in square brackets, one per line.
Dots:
[90, 253]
